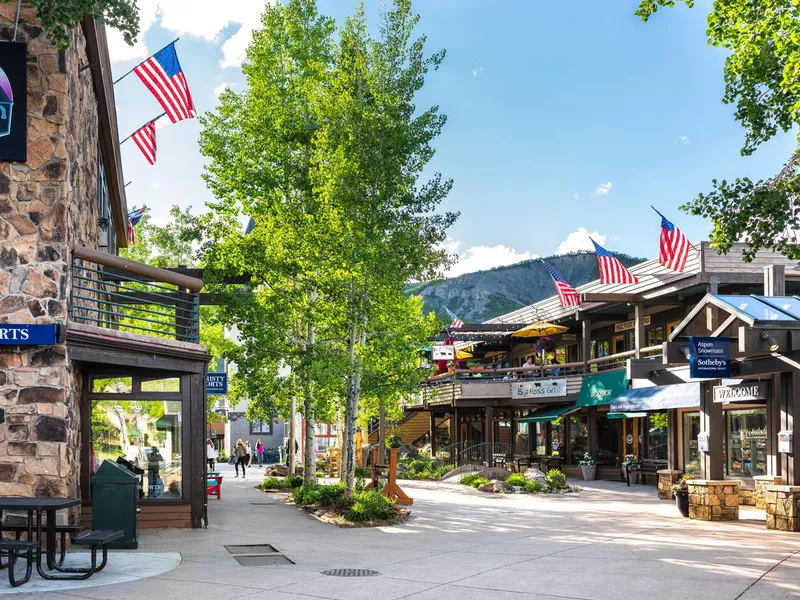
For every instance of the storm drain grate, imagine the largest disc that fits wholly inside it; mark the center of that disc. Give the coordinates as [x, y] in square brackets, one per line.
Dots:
[350, 573]
[251, 549]
[252, 560]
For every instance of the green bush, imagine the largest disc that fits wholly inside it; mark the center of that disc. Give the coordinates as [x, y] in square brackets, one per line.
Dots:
[424, 467]
[294, 481]
[534, 487]
[276, 483]
[319, 495]
[363, 472]
[478, 481]
[369, 505]
[555, 479]
[468, 479]
[517, 479]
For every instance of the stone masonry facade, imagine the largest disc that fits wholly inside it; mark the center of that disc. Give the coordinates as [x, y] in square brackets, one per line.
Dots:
[783, 507]
[47, 205]
[666, 479]
[713, 500]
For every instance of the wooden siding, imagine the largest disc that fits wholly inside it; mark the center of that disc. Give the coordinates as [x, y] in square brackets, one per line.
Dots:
[443, 393]
[485, 389]
[713, 262]
[155, 516]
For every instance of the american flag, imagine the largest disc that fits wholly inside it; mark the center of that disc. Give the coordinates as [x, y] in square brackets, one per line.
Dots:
[163, 76]
[567, 295]
[145, 140]
[611, 270]
[673, 246]
[457, 323]
[133, 219]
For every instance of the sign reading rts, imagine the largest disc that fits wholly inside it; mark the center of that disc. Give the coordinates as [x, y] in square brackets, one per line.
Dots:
[216, 384]
[13, 101]
[27, 335]
[709, 357]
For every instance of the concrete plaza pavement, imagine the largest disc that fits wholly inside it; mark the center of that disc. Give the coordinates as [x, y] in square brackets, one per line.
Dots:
[606, 542]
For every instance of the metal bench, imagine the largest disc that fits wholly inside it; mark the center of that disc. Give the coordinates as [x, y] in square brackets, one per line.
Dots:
[645, 467]
[14, 548]
[63, 530]
[94, 540]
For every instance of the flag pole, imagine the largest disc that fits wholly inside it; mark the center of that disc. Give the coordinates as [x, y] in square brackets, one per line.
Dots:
[146, 59]
[145, 125]
[691, 245]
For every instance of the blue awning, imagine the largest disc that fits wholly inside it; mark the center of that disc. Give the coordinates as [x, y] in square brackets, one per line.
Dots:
[657, 398]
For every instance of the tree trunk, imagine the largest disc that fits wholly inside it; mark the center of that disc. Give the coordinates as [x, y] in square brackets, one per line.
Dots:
[309, 459]
[292, 435]
[353, 396]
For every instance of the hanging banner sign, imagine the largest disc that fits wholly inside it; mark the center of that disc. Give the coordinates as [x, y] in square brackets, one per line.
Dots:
[742, 392]
[441, 352]
[709, 357]
[627, 325]
[27, 335]
[216, 384]
[543, 388]
[13, 102]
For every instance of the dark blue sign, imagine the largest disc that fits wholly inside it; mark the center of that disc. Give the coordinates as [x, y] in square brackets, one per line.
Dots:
[216, 383]
[709, 357]
[27, 335]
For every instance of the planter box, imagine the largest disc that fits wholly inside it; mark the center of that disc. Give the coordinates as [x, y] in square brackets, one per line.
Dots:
[589, 472]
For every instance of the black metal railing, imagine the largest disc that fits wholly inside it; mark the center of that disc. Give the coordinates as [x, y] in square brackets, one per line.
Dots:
[111, 292]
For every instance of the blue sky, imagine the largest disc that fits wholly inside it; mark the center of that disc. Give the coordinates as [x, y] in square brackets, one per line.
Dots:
[563, 117]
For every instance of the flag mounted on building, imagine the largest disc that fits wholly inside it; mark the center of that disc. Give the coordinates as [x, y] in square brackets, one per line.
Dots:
[457, 323]
[133, 219]
[611, 269]
[673, 246]
[163, 76]
[145, 140]
[567, 295]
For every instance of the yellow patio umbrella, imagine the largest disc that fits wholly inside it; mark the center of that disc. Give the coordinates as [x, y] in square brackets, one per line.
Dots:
[539, 329]
[463, 354]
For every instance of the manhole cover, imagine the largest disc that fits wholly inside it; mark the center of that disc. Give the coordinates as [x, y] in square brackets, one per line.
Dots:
[350, 573]
[251, 560]
[251, 549]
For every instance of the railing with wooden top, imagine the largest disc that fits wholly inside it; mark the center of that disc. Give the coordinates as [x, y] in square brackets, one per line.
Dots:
[116, 293]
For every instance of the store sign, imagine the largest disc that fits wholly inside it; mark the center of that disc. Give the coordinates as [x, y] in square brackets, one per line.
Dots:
[442, 352]
[27, 335]
[709, 357]
[601, 388]
[216, 383]
[628, 325]
[13, 102]
[742, 392]
[543, 388]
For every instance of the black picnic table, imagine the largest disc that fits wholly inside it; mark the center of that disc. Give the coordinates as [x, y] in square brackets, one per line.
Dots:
[49, 506]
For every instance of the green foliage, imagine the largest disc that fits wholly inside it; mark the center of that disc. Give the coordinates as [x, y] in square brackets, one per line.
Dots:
[556, 480]
[330, 495]
[534, 487]
[370, 505]
[468, 479]
[425, 468]
[394, 441]
[60, 17]
[588, 460]
[281, 483]
[516, 479]
[478, 481]
[363, 472]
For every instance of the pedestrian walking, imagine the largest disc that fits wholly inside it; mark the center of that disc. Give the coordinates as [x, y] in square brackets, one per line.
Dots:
[211, 454]
[249, 450]
[260, 451]
[240, 452]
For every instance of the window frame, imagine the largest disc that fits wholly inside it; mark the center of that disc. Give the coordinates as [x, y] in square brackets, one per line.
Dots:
[260, 431]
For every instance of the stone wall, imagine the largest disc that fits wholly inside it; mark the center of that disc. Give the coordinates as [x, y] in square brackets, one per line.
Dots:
[713, 500]
[47, 205]
[783, 507]
[762, 482]
[666, 479]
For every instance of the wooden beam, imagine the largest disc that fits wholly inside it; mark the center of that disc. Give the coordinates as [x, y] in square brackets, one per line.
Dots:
[131, 266]
[606, 297]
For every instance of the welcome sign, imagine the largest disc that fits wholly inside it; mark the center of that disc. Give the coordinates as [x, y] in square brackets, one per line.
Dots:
[13, 102]
[743, 392]
[543, 388]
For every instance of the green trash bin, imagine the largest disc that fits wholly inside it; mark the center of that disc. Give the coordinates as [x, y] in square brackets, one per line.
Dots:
[115, 492]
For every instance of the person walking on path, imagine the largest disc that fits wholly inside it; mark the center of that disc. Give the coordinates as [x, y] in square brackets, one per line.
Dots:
[260, 452]
[249, 456]
[240, 452]
[211, 454]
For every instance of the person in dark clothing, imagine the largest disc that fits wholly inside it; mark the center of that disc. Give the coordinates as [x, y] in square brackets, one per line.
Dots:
[296, 450]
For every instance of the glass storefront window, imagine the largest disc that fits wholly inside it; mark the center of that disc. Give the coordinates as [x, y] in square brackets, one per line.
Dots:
[112, 385]
[608, 437]
[578, 438]
[541, 438]
[746, 442]
[691, 428]
[521, 443]
[657, 435]
[146, 433]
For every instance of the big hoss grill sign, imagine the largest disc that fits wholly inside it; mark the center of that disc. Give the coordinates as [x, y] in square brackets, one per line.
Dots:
[542, 388]
[742, 392]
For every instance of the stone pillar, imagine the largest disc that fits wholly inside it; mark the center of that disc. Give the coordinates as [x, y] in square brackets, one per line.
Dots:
[713, 500]
[783, 507]
[666, 479]
[762, 482]
[712, 423]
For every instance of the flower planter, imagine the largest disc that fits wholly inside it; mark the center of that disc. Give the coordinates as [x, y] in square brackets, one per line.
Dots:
[589, 472]
[682, 500]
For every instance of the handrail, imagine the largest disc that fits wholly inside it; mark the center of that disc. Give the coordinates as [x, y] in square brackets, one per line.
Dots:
[154, 273]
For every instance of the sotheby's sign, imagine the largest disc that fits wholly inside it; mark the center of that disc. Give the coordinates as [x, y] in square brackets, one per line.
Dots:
[542, 388]
[27, 335]
[709, 357]
[743, 392]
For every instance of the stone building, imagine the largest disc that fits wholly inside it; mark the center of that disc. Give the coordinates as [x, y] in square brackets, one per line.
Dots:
[63, 215]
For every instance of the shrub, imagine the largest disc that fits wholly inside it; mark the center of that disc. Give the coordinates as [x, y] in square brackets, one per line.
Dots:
[272, 455]
[424, 468]
[478, 481]
[555, 479]
[363, 472]
[534, 487]
[276, 483]
[295, 481]
[394, 441]
[468, 479]
[370, 505]
[516, 479]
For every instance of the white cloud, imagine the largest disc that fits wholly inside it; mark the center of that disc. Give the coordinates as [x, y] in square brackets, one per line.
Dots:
[576, 196]
[603, 189]
[684, 140]
[578, 241]
[198, 18]
[220, 88]
[476, 72]
[481, 258]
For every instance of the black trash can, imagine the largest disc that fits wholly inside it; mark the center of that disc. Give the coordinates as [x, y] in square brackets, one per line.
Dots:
[115, 500]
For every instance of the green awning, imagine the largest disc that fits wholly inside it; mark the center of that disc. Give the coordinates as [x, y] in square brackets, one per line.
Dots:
[547, 415]
[602, 388]
[617, 415]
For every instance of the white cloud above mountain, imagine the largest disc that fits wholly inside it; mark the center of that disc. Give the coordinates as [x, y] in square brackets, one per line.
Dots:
[604, 189]
[481, 258]
[578, 241]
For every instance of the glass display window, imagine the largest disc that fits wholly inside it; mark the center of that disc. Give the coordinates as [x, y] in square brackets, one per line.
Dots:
[578, 437]
[657, 431]
[691, 456]
[745, 448]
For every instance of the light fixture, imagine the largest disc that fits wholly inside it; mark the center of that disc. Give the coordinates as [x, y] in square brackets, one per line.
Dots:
[773, 343]
[686, 352]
